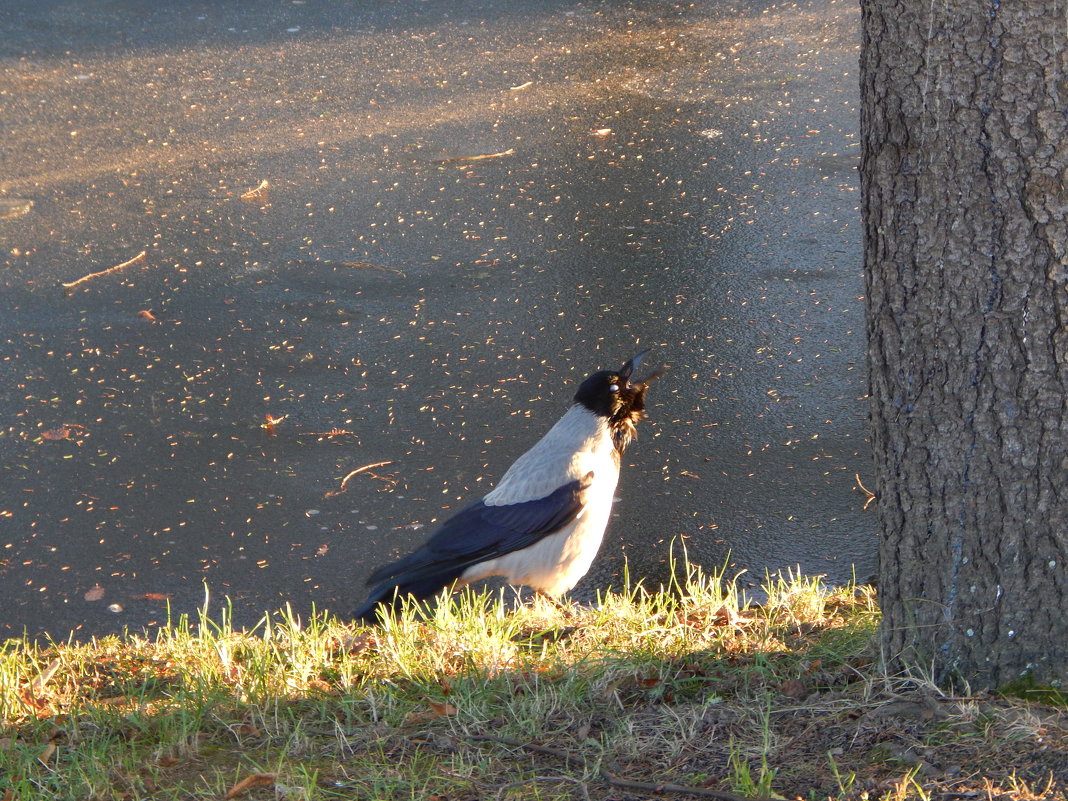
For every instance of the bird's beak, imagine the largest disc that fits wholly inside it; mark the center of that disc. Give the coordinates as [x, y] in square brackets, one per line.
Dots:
[628, 368]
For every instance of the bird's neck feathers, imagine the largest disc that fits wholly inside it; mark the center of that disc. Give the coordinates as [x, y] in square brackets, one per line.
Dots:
[625, 429]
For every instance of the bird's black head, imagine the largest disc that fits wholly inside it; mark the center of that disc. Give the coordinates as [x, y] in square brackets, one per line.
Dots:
[613, 395]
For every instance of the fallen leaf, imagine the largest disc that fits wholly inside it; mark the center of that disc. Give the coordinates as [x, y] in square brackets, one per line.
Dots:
[55, 434]
[94, 593]
[727, 615]
[358, 643]
[114, 700]
[46, 752]
[32, 701]
[145, 314]
[793, 688]
[154, 596]
[444, 709]
[437, 710]
[250, 782]
[270, 421]
[44, 677]
[32, 694]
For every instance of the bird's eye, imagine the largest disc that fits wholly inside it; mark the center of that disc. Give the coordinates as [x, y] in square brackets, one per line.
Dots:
[613, 388]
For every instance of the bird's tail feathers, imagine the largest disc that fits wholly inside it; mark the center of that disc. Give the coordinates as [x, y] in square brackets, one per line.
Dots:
[423, 580]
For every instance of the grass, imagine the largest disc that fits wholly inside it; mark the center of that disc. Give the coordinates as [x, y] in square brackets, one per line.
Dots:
[680, 693]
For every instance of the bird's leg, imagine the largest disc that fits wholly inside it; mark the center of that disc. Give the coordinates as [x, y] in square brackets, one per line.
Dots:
[552, 599]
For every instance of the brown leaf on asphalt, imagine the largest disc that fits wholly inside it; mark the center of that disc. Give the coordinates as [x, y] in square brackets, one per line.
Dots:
[249, 783]
[94, 593]
[55, 434]
[154, 596]
[270, 421]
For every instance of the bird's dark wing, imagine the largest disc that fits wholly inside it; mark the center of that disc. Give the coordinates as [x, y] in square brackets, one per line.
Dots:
[475, 534]
[479, 532]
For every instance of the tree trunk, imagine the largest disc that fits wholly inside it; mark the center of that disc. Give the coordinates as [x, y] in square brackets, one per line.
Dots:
[964, 173]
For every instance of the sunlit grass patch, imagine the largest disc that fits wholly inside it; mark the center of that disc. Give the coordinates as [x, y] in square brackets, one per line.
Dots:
[684, 687]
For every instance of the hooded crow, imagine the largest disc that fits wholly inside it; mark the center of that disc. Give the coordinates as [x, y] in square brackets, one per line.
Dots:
[542, 524]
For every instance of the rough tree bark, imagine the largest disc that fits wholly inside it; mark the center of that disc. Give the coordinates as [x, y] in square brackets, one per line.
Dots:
[965, 165]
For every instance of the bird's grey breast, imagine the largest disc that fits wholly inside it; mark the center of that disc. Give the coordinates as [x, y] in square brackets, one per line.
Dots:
[580, 443]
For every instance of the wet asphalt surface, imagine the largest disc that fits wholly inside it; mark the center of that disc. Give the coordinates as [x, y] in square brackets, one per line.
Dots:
[469, 207]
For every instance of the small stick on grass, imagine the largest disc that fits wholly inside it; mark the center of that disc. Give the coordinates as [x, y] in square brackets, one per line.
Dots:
[611, 778]
[139, 257]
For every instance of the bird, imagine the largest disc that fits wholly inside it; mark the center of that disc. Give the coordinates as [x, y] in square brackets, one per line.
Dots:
[542, 524]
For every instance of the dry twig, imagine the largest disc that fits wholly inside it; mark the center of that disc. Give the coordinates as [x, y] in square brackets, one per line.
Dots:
[359, 470]
[507, 152]
[356, 472]
[258, 194]
[356, 265]
[139, 257]
[870, 495]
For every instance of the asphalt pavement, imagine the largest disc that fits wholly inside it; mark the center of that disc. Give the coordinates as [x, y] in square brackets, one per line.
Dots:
[382, 243]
